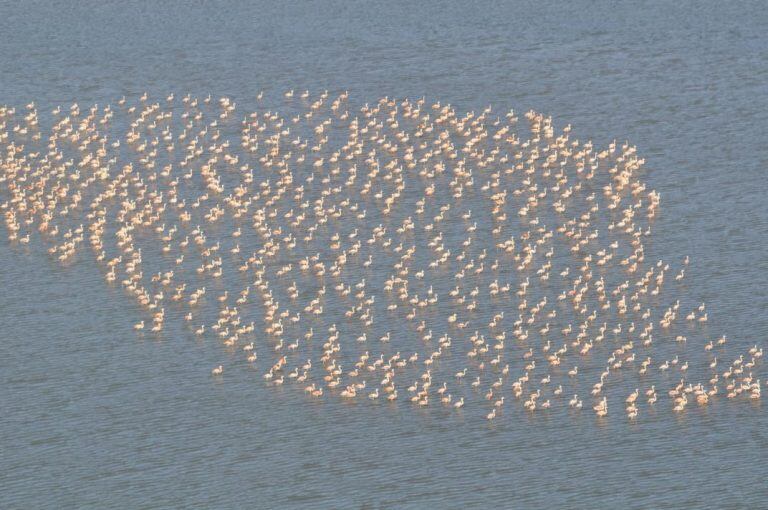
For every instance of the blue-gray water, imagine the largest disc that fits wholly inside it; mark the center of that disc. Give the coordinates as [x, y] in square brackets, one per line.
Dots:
[94, 416]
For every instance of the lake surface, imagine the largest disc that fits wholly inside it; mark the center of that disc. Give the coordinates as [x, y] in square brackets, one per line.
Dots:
[95, 416]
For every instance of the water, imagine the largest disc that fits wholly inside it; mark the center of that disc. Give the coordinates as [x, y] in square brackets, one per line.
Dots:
[94, 416]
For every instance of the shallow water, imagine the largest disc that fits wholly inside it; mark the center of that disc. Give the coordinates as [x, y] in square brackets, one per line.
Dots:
[96, 416]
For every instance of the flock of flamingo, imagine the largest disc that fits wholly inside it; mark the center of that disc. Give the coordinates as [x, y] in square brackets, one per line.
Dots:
[398, 251]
